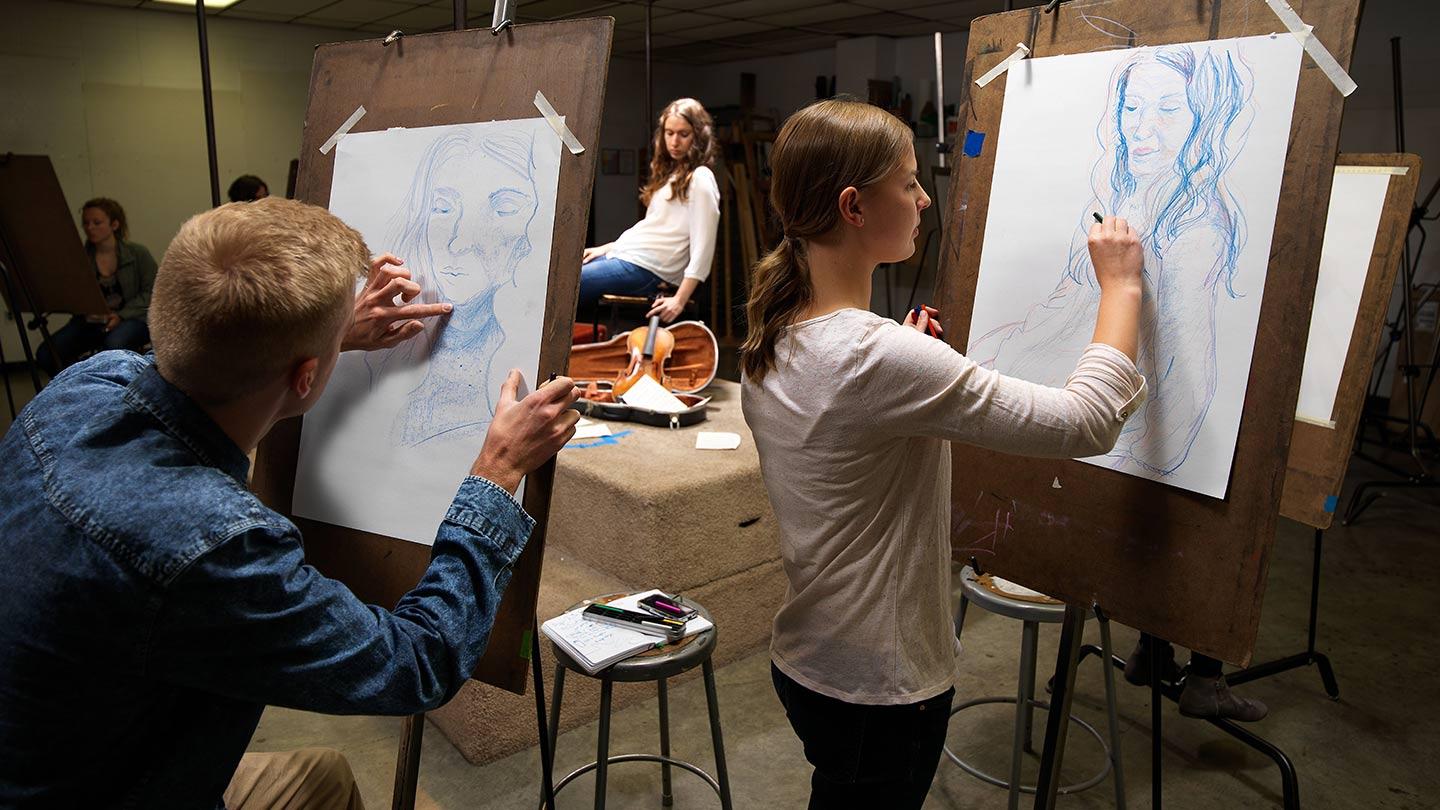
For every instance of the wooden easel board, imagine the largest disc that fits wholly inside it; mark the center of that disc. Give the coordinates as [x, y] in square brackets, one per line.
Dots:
[45, 250]
[1183, 566]
[1319, 455]
[455, 78]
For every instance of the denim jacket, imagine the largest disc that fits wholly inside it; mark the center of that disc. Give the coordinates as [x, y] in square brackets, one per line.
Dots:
[151, 606]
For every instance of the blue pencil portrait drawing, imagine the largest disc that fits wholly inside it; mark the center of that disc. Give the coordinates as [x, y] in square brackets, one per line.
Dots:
[464, 231]
[1175, 121]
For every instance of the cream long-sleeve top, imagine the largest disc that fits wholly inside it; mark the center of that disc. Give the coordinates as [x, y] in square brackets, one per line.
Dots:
[675, 240]
[852, 426]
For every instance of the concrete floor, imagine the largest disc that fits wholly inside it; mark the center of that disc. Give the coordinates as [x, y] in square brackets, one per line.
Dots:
[1374, 748]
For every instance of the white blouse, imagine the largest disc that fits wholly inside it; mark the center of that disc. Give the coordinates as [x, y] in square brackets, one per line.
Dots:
[675, 240]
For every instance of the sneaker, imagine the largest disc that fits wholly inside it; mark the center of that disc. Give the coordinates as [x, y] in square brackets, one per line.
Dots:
[1137, 666]
[1211, 698]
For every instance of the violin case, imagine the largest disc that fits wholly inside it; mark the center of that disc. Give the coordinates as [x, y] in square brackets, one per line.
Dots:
[689, 369]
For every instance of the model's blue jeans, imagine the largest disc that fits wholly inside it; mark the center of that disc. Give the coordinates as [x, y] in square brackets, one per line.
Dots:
[80, 336]
[616, 277]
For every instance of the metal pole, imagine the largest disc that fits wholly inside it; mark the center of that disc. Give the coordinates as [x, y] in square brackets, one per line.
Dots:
[649, 75]
[939, 100]
[1058, 723]
[460, 15]
[209, 102]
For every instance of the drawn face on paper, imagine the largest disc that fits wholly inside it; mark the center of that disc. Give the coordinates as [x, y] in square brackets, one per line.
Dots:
[476, 225]
[1155, 118]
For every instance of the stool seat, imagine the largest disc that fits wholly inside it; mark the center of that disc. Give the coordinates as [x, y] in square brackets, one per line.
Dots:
[651, 665]
[1024, 610]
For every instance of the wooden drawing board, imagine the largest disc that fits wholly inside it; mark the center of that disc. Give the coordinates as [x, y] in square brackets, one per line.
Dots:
[45, 251]
[429, 80]
[1182, 566]
[1319, 455]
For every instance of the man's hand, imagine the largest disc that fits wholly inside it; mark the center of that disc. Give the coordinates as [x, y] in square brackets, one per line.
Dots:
[591, 254]
[668, 308]
[111, 321]
[380, 322]
[525, 433]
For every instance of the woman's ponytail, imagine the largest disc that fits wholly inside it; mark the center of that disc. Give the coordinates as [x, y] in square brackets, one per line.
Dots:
[779, 292]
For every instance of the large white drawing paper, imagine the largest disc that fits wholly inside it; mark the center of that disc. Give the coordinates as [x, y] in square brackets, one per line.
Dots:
[1357, 199]
[471, 210]
[1187, 142]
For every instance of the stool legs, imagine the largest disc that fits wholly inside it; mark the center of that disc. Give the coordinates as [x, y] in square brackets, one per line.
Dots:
[1024, 713]
[1108, 655]
[666, 799]
[713, 704]
[602, 756]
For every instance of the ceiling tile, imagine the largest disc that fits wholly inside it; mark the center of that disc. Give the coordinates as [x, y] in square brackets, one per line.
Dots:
[419, 19]
[814, 14]
[356, 11]
[289, 8]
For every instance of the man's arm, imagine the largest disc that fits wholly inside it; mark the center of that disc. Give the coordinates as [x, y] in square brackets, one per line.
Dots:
[250, 620]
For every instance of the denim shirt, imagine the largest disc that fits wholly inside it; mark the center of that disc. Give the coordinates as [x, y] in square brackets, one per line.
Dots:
[151, 606]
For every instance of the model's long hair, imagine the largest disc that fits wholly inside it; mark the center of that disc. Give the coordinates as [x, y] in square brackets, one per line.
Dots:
[665, 169]
[822, 149]
[1218, 88]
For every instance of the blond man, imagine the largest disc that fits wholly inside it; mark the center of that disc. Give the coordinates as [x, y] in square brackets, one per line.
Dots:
[151, 606]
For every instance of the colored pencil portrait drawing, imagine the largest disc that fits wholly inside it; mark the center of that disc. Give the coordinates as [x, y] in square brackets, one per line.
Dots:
[471, 210]
[1170, 147]
[464, 232]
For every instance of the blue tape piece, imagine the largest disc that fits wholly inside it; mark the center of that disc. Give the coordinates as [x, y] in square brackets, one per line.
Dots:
[1330, 504]
[613, 438]
[974, 143]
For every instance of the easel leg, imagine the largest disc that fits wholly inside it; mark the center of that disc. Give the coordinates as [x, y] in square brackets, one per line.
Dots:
[30, 361]
[547, 763]
[1155, 748]
[1058, 723]
[1310, 656]
[407, 767]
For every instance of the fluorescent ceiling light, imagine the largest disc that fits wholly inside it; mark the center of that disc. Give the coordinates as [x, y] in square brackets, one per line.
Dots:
[208, 3]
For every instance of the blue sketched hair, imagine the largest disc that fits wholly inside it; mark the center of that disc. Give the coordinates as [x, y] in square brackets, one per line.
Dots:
[1192, 192]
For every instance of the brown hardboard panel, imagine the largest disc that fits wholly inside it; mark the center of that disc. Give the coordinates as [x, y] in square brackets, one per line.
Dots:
[1319, 455]
[430, 80]
[1183, 566]
[39, 242]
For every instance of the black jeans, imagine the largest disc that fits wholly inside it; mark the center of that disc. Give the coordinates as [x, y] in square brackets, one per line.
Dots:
[866, 756]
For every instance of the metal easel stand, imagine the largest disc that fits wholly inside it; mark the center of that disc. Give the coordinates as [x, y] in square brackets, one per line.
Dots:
[1300, 659]
[17, 292]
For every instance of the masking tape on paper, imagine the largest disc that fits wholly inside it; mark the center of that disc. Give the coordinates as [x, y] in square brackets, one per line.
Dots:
[344, 128]
[1306, 35]
[993, 73]
[557, 123]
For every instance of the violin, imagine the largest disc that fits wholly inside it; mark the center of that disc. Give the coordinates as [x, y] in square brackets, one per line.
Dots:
[649, 346]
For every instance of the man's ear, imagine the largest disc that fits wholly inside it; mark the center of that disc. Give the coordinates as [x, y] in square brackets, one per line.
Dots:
[850, 206]
[302, 376]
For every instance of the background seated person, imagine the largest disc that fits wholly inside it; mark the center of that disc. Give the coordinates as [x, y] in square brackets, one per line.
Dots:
[125, 271]
[248, 188]
[675, 242]
[151, 606]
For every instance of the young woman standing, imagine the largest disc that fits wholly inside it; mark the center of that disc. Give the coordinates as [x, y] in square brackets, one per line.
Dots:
[851, 414]
[675, 242]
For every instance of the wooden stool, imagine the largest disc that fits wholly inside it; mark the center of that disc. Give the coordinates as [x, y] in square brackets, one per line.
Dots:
[633, 303]
[1032, 614]
[653, 665]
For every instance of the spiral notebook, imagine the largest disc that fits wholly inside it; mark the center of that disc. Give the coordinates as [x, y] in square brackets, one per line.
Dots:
[596, 645]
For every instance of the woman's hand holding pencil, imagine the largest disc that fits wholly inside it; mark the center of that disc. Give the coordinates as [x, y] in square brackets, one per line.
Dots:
[923, 319]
